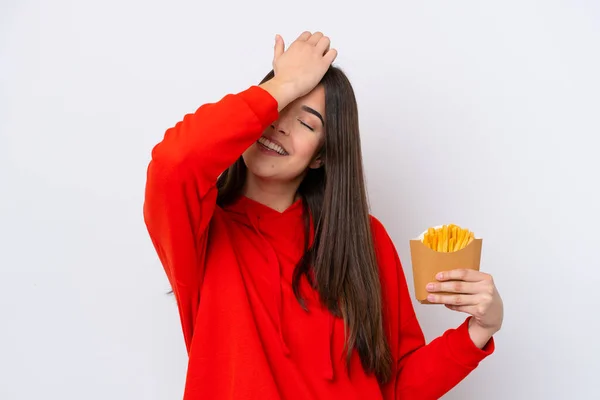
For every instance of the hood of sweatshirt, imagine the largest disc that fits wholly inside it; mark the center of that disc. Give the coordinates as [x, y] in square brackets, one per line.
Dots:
[281, 236]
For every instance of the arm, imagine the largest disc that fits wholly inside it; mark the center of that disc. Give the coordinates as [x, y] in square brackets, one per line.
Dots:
[181, 188]
[423, 371]
[180, 195]
[428, 371]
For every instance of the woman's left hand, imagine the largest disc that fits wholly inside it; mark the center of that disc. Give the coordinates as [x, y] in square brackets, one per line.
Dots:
[472, 292]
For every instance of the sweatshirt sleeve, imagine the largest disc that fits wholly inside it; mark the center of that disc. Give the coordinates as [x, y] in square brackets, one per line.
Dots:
[180, 193]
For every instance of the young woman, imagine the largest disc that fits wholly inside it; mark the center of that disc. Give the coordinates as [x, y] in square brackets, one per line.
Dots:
[286, 287]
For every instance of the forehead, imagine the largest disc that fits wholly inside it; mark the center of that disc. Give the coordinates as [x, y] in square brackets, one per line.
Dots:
[314, 99]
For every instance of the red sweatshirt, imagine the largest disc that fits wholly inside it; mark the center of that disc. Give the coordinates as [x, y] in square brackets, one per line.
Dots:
[231, 271]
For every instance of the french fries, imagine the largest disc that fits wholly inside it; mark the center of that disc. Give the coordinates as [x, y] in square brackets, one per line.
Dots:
[448, 238]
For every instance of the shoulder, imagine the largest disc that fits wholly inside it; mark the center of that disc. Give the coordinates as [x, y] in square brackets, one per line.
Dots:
[381, 238]
[394, 286]
[375, 223]
[390, 266]
[387, 254]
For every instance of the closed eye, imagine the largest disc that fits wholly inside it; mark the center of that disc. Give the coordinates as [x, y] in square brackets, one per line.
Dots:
[306, 125]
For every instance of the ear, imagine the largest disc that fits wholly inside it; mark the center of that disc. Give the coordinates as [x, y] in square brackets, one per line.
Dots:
[316, 163]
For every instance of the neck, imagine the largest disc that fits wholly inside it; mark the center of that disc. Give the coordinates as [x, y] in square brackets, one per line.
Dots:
[276, 195]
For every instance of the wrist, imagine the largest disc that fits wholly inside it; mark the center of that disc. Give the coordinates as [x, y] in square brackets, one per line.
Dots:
[479, 335]
[282, 92]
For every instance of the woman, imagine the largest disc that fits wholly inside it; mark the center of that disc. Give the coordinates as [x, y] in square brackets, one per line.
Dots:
[286, 286]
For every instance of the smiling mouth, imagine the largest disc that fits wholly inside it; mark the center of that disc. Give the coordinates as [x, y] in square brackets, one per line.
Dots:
[269, 145]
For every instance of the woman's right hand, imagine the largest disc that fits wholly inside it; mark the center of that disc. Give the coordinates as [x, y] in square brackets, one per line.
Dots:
[300, 68]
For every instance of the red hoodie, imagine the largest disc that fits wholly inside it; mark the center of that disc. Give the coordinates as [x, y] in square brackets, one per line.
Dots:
[231, 270]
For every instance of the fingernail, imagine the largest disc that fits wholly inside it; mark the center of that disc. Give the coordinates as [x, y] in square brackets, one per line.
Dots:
[430, 286]
[439, 276]
[431, 297]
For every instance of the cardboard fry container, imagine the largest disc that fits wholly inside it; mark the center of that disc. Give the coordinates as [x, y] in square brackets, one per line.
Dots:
[426, 263]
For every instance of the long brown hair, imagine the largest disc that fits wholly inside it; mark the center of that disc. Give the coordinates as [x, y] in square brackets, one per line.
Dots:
[341, 263]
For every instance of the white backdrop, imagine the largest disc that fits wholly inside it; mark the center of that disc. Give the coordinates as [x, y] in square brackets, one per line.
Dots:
[484, 114]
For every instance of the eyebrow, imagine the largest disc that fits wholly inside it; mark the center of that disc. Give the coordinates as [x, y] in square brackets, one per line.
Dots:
[314, 112]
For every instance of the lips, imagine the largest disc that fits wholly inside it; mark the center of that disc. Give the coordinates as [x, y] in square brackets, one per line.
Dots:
[272, 145]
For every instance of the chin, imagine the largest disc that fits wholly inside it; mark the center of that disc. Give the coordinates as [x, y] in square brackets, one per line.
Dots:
[262, 171]
[268, 167]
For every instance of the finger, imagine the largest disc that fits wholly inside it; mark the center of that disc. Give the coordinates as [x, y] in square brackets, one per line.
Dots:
[454, 287]
[330, 56]
[323, 45]
[304, 36]
[453, 299]
[314, 39]
[279, 46]
[469, 275]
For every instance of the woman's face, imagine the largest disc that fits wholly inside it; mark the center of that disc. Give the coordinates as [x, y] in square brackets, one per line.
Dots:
[288, 147]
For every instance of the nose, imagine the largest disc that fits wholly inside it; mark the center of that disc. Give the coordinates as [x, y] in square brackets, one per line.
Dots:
[278, 127]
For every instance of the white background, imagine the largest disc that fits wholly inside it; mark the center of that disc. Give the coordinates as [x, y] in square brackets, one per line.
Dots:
[485, 114]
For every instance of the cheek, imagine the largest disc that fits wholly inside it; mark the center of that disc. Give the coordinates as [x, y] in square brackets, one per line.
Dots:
[306, 148]
[253, 158]
[249, 153]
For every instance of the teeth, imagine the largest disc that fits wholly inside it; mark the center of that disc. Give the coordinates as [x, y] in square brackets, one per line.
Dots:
[275, 147]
